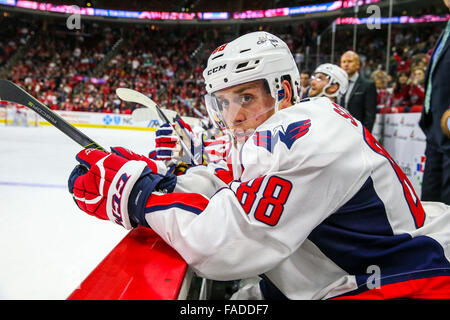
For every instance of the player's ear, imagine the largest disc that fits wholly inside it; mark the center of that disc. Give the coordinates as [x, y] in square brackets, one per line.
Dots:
[333, 88]
[286, 101]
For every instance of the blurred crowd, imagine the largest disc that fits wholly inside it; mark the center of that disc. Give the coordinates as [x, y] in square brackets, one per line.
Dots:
[12, 36]
[403, 85]
[75, 70]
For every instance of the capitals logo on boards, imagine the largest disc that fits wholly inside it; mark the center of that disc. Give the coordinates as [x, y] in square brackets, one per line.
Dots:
[288, 136]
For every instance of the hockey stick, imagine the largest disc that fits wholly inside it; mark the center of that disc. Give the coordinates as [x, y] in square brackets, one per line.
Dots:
[146, 114]
[11, 92]
[130, 95]
[190, 106]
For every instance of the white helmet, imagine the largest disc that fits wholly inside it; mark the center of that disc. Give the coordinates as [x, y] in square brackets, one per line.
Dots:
[335, 74]
[253, 56]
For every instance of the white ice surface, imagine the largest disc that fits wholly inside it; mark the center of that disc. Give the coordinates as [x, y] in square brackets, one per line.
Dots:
[47, 245]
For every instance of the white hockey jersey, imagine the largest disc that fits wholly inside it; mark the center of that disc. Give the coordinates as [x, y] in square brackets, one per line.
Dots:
[317, 206]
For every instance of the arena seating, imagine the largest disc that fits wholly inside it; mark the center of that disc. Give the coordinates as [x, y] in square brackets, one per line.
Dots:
[63, 62]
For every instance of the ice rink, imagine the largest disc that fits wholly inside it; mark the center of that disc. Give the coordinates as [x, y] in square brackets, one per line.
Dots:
[49, 246]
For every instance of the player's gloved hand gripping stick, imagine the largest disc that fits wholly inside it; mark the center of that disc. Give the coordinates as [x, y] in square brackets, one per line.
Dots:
[115, 186]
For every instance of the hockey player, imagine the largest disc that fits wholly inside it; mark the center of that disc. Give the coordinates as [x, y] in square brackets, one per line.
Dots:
[20, 115]
[310, 201]
[328, 80]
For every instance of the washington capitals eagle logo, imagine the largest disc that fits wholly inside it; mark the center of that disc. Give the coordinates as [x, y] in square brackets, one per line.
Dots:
[293, 132]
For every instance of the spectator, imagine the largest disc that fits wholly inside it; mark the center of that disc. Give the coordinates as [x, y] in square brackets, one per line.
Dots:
[417, 89]
[419, 60]
[400, 96]
[384, 94]
[403, 61]
[361, 96]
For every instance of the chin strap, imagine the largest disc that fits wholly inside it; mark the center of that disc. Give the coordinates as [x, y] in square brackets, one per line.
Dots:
[324, 94]
[277, 106]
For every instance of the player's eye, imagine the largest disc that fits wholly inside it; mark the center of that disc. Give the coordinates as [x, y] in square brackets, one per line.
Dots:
[245, 99]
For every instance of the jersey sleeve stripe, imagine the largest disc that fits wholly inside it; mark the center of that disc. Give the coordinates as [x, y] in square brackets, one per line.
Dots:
[192, 202]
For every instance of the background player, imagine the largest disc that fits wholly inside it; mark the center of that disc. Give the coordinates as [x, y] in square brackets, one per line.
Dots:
[328, 80]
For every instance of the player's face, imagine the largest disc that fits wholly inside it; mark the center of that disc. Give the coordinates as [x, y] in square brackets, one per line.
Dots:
[245, 107]
[318, 82]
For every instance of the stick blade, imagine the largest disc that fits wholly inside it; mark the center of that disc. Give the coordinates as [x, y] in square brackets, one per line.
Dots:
[130, 95]
[147, 114]
[144, 114]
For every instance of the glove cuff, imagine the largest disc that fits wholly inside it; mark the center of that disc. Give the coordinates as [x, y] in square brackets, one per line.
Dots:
[142, 190]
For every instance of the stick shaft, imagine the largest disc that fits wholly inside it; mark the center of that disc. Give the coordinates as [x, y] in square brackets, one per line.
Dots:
[13, 93]
[131, 95]
[183, 145]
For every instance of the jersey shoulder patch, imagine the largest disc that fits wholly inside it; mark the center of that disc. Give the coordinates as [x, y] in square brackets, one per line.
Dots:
[269, 138]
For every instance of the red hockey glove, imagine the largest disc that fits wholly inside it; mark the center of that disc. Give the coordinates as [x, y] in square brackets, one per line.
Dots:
[111, 187]
[166, 185]
[130, 155]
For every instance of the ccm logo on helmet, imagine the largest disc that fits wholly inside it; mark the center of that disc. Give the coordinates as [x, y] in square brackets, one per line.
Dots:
[216, 69]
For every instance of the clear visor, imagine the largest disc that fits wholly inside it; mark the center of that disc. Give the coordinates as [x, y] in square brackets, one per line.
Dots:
[240, 109]
[319, 76]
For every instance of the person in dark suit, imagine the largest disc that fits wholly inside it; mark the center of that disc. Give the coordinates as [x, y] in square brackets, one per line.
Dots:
[436, 176]
[361, 97]
[305, 86]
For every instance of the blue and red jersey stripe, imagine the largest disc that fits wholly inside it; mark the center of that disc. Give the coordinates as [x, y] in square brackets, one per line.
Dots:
[192, 202]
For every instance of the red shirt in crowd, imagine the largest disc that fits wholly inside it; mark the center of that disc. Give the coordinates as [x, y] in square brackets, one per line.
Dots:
[416, 94]
[400, 97]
